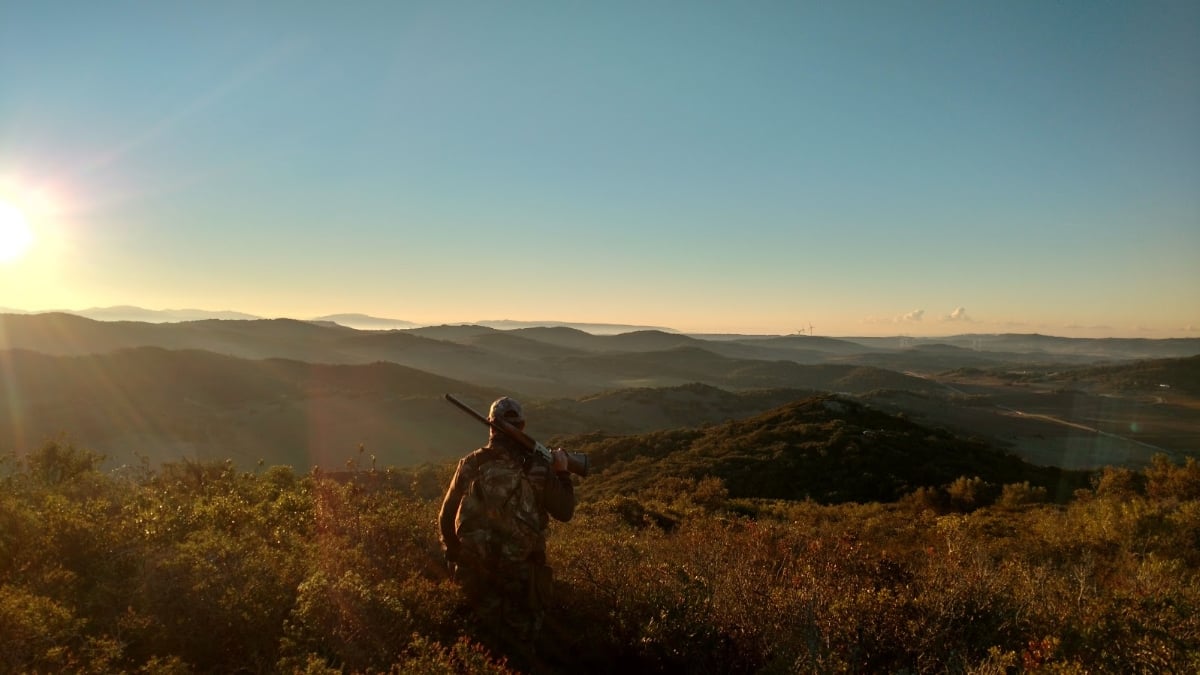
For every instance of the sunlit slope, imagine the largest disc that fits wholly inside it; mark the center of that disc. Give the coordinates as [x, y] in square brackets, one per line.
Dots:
[827, 448]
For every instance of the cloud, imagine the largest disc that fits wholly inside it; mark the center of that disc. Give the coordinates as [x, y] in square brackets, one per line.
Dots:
[912, 317]
[959, 314]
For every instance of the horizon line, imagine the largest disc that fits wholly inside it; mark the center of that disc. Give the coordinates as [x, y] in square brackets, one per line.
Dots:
[412, 325]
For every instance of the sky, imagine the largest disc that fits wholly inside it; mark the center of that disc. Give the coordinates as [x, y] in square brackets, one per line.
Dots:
[842, 168]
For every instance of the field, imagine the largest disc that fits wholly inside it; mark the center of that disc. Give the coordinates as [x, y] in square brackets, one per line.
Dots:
[1055, 423]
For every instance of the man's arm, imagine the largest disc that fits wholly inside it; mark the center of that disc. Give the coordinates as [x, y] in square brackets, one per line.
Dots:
[559, 496]
[449, 510]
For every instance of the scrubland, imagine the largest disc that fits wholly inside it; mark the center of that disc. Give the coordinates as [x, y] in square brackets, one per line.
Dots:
[204, 568]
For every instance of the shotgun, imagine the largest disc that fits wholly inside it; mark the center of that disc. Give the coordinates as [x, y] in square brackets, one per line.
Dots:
[577, 462]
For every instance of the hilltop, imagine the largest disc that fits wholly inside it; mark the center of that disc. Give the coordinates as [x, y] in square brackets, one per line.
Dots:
[826, 448]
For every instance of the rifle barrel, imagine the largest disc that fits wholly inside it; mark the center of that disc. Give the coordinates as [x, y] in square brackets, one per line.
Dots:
[468, 409]
[577, 463]
[506, 429]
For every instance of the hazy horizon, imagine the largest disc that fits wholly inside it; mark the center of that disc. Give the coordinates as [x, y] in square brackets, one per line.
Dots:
[499, 323]
[866, 170]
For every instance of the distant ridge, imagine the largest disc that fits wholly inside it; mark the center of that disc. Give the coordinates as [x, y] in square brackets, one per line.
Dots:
[349, 319]
[367, 322]
[1036, 343]
[132, 313]
[593, 328]
[895, 352]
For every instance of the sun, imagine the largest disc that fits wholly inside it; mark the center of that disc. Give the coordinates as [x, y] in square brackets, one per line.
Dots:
[15, 234]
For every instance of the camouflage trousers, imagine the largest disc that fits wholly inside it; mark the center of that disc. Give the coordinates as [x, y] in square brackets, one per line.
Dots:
[509, 600]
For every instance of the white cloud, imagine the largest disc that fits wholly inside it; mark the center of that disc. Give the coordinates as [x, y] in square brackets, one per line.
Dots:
[959, 314]
[911, 317]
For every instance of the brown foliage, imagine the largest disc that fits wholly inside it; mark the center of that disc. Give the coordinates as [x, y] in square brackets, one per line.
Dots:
[206, 569]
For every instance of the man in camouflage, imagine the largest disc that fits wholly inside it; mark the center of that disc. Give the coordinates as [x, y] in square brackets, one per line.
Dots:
[493, 524]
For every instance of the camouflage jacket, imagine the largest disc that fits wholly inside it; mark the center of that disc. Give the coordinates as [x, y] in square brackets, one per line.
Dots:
[499, 504]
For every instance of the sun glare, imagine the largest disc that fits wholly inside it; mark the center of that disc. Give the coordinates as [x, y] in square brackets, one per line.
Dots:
[15, 234]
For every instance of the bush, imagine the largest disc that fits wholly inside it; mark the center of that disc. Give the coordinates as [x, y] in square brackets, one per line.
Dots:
[1166, 480]
[968, 494]
[1021, 494]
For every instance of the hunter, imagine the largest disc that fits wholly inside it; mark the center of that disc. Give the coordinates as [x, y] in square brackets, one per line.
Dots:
[493, 524]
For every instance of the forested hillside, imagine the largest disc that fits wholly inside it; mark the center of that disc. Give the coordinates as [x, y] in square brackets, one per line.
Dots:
[827, 448]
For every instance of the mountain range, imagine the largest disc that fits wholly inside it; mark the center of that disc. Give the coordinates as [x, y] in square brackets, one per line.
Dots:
[350, 320]
[313, 392]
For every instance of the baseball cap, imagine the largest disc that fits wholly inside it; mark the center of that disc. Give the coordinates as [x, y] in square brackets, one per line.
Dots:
[507, 409]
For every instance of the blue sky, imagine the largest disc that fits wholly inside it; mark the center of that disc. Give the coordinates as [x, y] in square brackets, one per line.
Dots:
[871, 168]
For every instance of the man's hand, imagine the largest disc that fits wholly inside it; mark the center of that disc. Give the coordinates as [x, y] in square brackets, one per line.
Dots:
[560, 460]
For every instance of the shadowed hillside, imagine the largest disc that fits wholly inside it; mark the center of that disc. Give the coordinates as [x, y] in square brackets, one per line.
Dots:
[1155, 376]
[173, 404]
[800, 350]
[1046, 347]
[1077, 417]
[168, 405]
[633, 411]
[826, 448]
[541, 362]
[692, 364]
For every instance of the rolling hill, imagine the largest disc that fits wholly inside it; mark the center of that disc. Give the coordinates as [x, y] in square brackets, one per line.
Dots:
[540, 362]
[165, 405]
[170, 404]
[634, 411]
[1154, 376]
[216, 388]
[827, 448]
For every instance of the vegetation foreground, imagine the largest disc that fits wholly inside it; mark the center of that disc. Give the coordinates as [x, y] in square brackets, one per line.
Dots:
[204, 568]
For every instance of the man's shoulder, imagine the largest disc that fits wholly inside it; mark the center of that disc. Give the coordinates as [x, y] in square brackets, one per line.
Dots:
[477, 458]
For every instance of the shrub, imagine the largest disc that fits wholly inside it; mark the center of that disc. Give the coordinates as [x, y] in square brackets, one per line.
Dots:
[968, 494]
[1166, 480]
[1021, 494]
[1118, 483]
[37, 631]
